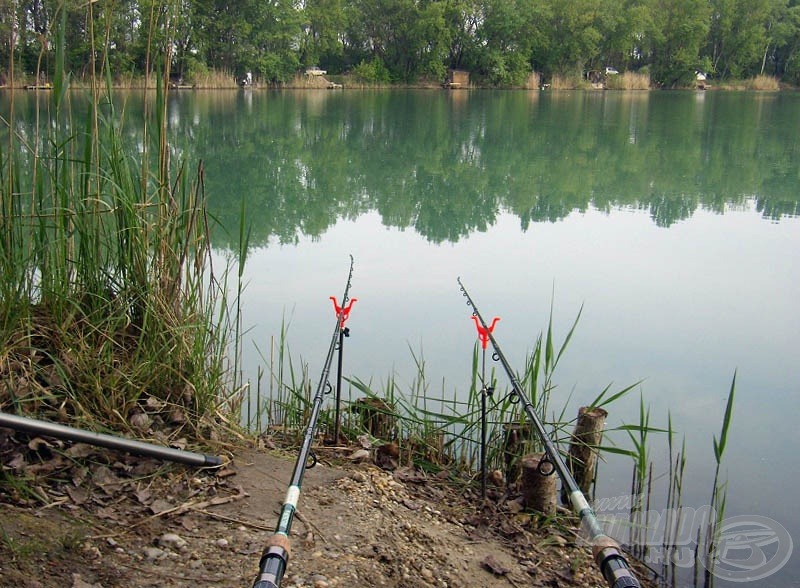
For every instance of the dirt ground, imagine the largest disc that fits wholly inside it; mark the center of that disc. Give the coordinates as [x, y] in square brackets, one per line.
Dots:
[106, 519]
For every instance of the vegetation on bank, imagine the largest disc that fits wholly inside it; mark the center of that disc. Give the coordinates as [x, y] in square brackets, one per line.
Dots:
[500, 42]
[112, 316]
[439, 433]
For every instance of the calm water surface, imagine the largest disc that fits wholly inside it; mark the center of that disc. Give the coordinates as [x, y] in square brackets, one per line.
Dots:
[671, 218]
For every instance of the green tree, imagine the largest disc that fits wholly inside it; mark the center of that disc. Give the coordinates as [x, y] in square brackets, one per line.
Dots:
[462, 18]
[737, 36]
[431, 39]
[680, 29]
[571, 35]
[782, 53]
[627, 23]
[411, 39]
[501, 54]
[324, 23]
[273, 39]
[222, 30]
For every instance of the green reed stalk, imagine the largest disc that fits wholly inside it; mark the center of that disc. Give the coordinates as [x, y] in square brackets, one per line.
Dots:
[718, 492]
[640, 488]
[674, 504]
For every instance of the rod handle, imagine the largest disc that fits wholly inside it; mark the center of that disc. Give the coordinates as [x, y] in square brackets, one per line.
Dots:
[273, 562]
[614, 567]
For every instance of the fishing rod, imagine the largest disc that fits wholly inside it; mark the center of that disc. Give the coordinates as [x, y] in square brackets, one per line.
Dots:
[276, 553]
[606, 552]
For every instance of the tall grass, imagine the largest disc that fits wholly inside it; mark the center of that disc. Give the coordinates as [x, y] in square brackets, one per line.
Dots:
[674, 504]
[763, 83]
[567, 82]
[719, 492]
[673, 521]
[111, 307]
[628, 81]
[436, 428]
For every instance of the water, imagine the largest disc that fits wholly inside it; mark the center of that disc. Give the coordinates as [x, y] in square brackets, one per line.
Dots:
[670, 218]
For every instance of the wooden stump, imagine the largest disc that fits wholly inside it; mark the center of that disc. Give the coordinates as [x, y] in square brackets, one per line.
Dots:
[430, 448]
[583, 451]
[538, 490]
[377, 417]
[517, 440]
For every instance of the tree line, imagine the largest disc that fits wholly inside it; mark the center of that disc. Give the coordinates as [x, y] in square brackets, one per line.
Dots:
[500, 42]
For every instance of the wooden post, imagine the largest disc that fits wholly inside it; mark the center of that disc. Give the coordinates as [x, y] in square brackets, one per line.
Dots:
[517, 439]
[377, 417]
[538, 490]
[583, 450]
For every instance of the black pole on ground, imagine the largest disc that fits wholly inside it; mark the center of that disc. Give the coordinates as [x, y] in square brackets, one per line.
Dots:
[483, 444]
[48, 429]
[483, 337]
[343, 313]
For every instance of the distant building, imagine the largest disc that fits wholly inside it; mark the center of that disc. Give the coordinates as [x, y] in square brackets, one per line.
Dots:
[456, 78]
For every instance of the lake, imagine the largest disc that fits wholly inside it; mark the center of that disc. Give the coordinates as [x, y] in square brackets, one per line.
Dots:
[670, 218]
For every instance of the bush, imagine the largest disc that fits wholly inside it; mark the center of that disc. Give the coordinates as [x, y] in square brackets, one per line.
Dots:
[566, 82]
[196, 70]
[373, 72]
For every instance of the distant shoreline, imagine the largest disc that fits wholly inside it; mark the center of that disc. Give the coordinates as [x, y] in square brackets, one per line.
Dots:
[348, 82]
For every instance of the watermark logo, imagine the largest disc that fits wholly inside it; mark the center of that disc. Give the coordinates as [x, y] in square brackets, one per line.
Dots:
[750, 547]
[746, 547]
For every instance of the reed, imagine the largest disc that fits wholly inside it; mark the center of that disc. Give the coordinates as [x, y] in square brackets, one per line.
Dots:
[675, 526]
[435, 428]
[674, 504]
[628, 81]
[719, 493]
[641, 482]
[211, 79]
[566, 82]
[763, 83]
[112, 313]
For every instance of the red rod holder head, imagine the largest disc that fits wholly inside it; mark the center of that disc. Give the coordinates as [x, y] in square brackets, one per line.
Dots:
[344, 313]
[483, 332]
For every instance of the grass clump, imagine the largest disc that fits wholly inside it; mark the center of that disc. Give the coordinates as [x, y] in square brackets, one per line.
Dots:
[111, 314]
[567, 82]
[763, 83]
[628, 80]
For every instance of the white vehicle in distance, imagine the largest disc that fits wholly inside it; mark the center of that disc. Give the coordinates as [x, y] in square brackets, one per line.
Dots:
[610, 71]
[315, 71]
